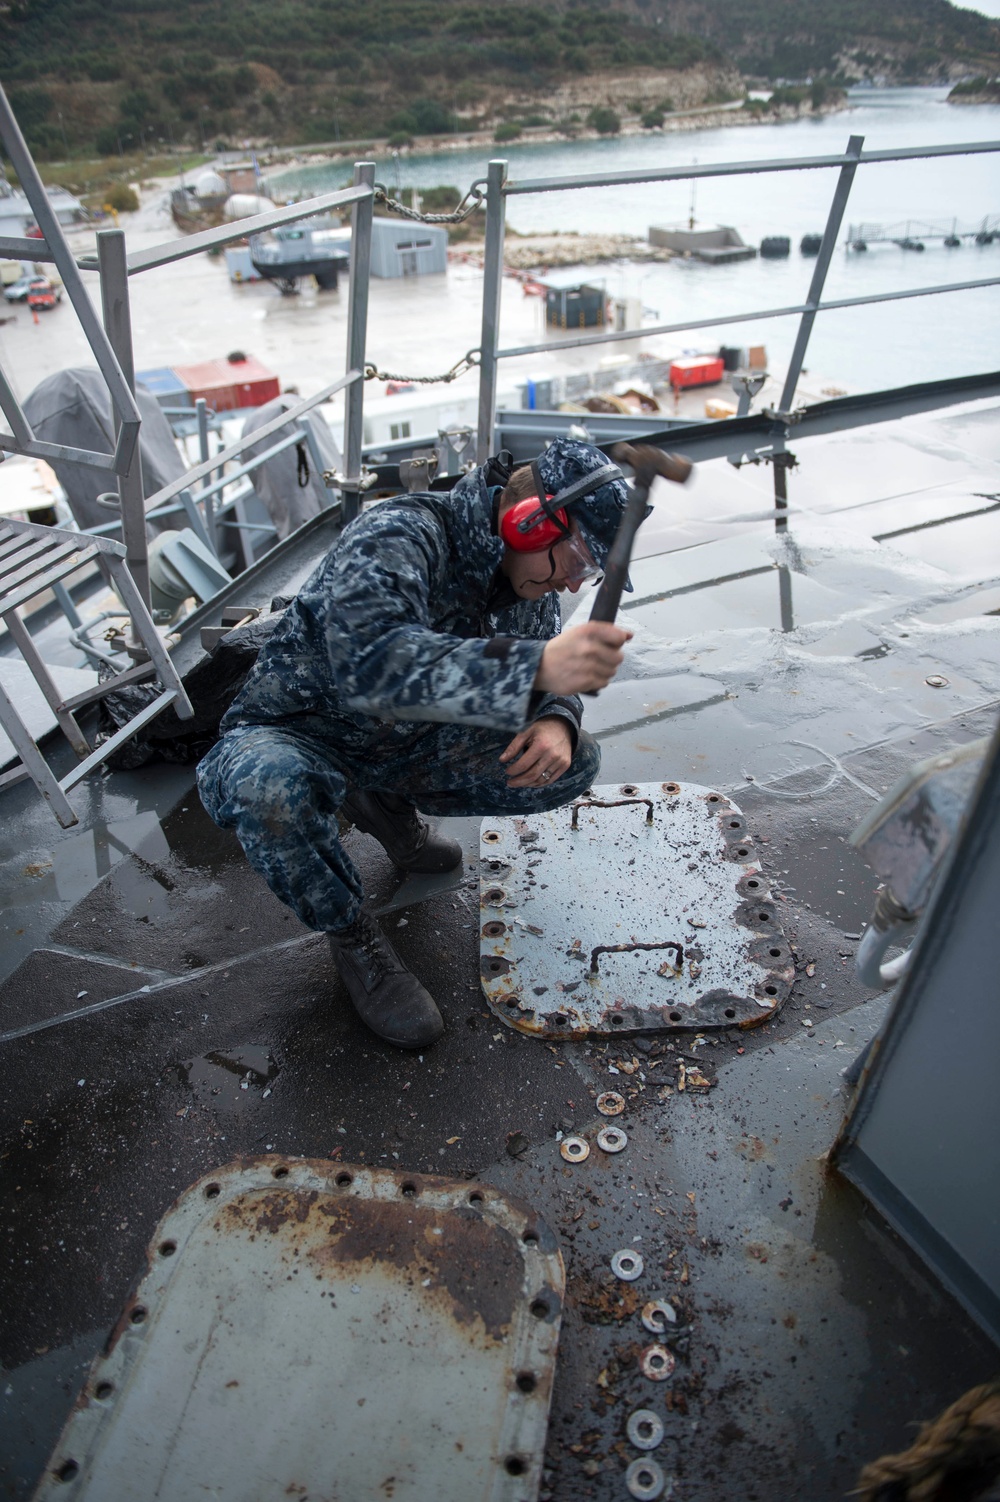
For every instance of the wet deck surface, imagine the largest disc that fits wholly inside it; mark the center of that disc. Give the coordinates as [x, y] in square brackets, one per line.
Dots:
[149, 976]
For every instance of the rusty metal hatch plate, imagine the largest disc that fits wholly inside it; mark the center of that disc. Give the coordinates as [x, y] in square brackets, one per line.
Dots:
[308, 1329]
[639, 908]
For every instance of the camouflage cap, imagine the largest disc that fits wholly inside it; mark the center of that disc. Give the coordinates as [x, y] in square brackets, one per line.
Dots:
[597, 514]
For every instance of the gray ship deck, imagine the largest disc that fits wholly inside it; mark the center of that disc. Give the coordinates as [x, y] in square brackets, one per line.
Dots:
[147, 970]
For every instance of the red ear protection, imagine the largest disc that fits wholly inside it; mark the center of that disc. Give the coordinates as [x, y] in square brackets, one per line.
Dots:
[528, 528]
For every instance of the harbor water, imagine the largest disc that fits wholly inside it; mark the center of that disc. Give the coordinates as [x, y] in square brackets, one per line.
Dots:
[862, 349]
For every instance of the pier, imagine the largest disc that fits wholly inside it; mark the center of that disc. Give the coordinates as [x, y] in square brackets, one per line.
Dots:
[913, 234]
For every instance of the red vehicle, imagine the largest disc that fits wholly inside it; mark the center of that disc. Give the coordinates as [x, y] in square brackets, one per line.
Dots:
[42, 294]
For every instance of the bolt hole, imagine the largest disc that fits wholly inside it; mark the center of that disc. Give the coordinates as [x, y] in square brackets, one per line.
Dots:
[771, 990]
[540, 1309]
[281, 1172]
[344, 1180]
[513, 1005]
[753, 884]
[657, 1363]
[743, 850]
[67, 1470]
[629, 790]
[477, 1197]
[529, 1238]
[559, 1020]
[774, 952]
[138, 1315]
[645, 1429]
[626, 1264]
[644, 1477]
[671, 787]
[168, 1248]
[713, 797]
[763, 917]
[494, 966]
[212, 1191]
[409, 1190]
[491, 836]
[526, 1381]
[514, 1465]
[734, 823]
[675, 1016]
[617, 1019]
[730, 1012]
[104, 1390]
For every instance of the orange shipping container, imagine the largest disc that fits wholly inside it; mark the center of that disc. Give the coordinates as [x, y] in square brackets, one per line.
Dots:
[228, 385]
[697, 370]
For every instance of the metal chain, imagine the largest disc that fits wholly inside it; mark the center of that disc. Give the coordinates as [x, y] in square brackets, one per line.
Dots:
[467, 362]
[475, 195]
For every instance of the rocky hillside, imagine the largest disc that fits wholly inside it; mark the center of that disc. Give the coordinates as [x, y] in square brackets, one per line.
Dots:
[122, 75]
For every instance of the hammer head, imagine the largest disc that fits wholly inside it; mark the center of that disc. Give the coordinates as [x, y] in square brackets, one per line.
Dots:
[648, 462]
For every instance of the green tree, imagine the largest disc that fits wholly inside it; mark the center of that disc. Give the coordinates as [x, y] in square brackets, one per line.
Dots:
[122, 198]
[604, 120]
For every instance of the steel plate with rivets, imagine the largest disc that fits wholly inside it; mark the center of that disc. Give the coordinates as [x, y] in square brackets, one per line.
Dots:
[315, 1329]
[639, 908]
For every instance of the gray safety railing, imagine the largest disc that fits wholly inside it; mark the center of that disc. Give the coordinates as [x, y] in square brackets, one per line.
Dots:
[499, 188]
[111, 343]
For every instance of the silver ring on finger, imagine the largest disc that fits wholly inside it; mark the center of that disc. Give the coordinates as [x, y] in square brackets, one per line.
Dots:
[546, 776]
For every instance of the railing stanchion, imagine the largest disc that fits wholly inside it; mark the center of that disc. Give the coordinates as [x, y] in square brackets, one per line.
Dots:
[118, 326]
[492, 287]
[357, 332]
[829, 242]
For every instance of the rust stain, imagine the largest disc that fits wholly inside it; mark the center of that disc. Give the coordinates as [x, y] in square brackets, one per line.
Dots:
[604, 1303]
[272, 1211]
[475, 1268]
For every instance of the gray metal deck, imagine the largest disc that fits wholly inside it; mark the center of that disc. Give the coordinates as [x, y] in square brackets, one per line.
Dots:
[149, 974]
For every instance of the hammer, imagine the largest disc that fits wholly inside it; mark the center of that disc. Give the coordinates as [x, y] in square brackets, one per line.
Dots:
[647, 462]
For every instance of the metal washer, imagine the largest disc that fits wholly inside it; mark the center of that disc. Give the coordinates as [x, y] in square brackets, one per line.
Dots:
[657, 1315]
[627, 1265]
[645, 1480]
[612, 1140]
[610, 1103]
[657, 1363]
[574, 1149]
[645, 1429]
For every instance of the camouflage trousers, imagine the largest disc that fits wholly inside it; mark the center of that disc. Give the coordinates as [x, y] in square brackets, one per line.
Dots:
[279, 787]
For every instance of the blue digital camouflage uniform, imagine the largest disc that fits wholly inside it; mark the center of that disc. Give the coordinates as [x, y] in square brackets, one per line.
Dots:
[406, 663]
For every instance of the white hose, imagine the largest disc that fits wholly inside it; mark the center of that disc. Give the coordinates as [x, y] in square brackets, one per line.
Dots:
[868, 960]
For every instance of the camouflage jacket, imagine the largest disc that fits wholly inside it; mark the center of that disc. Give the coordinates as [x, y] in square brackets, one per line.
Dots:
[407, 619]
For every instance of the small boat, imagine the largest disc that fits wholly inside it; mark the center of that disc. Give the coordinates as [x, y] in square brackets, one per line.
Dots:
[285, 255]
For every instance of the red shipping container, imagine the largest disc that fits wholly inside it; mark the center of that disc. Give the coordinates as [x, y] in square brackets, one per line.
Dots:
[697, 370]
[228, 385]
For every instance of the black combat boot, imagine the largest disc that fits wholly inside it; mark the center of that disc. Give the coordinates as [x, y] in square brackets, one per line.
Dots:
[386, 997]
[399, 829]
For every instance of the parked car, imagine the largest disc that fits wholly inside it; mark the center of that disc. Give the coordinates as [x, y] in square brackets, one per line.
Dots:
[42, 293]
[18, 291]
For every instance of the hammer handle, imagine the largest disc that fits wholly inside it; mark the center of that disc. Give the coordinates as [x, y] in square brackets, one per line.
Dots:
[609, 591]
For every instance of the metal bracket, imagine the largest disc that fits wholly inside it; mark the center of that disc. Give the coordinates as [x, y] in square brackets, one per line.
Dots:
[416, 474]
[366, 480]
[747, 387]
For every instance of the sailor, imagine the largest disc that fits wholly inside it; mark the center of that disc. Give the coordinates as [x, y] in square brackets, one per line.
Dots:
[422, 665]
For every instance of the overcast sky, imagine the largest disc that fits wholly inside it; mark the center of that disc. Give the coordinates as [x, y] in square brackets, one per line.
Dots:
[985, 7]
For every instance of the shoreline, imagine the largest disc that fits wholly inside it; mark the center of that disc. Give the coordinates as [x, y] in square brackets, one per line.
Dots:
[702, 117]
